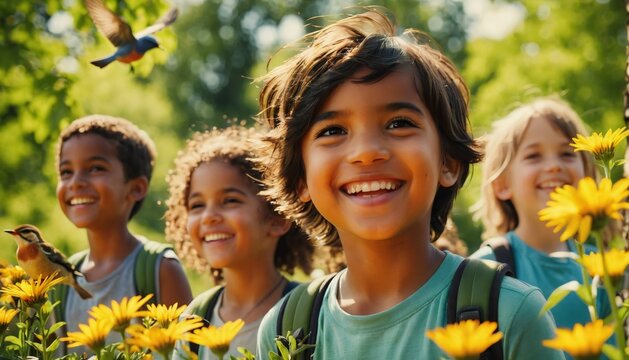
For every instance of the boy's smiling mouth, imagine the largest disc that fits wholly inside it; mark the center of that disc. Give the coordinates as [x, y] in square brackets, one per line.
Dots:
[366, 187]
[81, 201]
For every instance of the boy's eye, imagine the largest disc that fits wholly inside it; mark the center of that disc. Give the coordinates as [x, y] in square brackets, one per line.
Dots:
[97, 168]
[569, 154]
[331, 131]
[401, 123]
[531, 156]
[64, 172]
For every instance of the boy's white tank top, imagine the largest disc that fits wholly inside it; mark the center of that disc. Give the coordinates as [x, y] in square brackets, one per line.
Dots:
[114, 286]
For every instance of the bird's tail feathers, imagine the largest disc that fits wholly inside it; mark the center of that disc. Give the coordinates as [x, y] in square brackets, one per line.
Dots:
[101, 63]
[84, 294]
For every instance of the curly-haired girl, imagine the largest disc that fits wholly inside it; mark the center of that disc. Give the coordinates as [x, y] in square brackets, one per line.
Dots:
[219, 224]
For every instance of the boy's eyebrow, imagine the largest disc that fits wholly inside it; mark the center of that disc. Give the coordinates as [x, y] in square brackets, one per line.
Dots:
[399, 105]
[404, 105]
[93, 158]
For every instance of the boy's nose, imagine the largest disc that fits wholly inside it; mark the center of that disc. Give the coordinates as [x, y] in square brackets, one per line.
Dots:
[553, 164]
[77, 180]
[367, 149]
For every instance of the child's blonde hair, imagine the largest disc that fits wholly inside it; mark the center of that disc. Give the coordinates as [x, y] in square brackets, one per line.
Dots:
[234, 146]
[501, 146]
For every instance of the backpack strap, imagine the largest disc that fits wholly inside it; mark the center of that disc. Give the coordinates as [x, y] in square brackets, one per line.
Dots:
[146, 268]
[203, 306]
[474, 295]
[502, 251]
[299, 312]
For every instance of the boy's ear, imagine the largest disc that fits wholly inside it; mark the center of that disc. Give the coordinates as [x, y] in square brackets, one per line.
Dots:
[449, 172]
[279, 226]
[304, 194]
[139, 187]
[501, 189]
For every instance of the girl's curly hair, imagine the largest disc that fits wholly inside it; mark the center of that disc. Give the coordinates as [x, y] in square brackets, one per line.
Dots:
[234, 146]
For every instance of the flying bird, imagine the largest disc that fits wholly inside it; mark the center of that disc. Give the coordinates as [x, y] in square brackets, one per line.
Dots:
[129, 47]
[37, 257]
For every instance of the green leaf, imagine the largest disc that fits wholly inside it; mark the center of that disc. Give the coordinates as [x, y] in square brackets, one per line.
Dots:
[55, 326]
[13, 340]
[274, 356]
[53, 346]
[612, 352]
[559, 294]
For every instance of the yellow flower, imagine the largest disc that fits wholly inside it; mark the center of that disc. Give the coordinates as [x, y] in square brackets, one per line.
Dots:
[161, 339]
[581, 341]
[31, 291]
[616, 260]
[12, 275]
[91, 335]
[217, 339]
[163, 314]
[120, 314]
[466, 338]
[6, 316]
[577, 209]
[602, 146]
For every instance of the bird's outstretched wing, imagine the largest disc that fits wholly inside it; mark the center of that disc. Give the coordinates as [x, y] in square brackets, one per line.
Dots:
[110, 24]
[165, 20]
[56, 256]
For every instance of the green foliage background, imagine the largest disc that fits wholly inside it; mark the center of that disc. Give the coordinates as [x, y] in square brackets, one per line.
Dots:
[575, 48]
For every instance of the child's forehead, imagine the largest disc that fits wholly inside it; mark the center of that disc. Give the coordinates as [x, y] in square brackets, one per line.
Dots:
[83, 145]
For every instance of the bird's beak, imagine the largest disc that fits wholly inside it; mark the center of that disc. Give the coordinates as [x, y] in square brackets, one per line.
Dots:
[9, 231]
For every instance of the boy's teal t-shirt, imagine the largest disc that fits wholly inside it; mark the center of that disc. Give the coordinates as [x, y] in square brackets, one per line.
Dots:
[548, 273]
[399, 332]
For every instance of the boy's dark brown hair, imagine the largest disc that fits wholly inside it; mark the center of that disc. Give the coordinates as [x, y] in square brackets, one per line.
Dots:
[234, 146]
[134, 148]
[293, 92]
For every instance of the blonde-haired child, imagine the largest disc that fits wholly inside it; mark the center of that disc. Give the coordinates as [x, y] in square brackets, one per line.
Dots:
[527, 156]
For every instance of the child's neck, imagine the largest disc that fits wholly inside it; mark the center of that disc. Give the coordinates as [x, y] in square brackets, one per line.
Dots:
[541, 238]
[250, 293]
[381, 275]
[115, 243]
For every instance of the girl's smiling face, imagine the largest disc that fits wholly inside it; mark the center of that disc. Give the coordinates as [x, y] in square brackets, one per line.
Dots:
[373, 160]
[228, 223]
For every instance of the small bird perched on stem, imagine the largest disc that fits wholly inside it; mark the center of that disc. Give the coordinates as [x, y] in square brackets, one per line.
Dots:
[130, 47]
[37, 257]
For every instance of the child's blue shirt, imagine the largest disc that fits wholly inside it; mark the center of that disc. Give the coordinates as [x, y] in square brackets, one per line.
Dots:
[399, 332]
[548, 273]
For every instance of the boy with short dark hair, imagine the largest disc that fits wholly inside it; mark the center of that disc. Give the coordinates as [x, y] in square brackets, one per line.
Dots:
[105, 165]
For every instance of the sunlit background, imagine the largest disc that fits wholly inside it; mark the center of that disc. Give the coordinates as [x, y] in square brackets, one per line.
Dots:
[508, 51]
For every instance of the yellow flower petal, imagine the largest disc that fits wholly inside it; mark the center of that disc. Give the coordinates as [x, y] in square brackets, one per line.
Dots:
[583, 340]
[577, 210]
[465, 339]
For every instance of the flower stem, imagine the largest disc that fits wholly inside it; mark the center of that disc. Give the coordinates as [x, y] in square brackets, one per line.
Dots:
[44, 333]
[611, 296]
[586, 282]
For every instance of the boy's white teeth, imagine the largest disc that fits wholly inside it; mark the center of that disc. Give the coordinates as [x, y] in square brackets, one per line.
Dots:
[81, 201]
[367, 186]
[217, 236]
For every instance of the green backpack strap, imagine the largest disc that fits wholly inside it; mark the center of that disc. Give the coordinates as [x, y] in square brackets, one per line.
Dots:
[203, 306]
[474, 295]
[502, 251]
[146, 269]
[299, 312]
